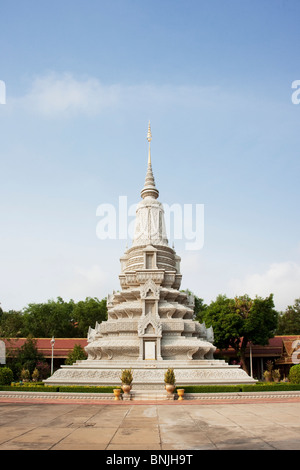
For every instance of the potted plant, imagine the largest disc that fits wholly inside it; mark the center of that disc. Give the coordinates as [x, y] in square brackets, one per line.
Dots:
[268, 376]
[35, 375]
[276, 375]
[268, 372]
[25, 375]
[126, 379]
[170, 381]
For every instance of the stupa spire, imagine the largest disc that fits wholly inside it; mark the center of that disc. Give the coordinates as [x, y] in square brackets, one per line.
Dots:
[149, 138]
[149, 188]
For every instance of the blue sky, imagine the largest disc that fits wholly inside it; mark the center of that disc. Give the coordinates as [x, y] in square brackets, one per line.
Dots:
[83, 78]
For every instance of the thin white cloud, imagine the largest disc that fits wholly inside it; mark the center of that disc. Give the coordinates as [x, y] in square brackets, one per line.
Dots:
[62, 95]
[281, 279]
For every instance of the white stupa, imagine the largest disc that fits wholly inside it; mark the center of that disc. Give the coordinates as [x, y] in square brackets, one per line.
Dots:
[150, 324]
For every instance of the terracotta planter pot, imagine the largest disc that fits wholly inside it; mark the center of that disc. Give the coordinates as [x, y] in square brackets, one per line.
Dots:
[180, 392]
[117, 393]
[170, 388]
[268, 376]
[126, 388]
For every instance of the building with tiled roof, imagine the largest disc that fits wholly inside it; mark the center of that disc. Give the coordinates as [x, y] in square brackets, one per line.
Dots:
[62, 347]
[280, 350]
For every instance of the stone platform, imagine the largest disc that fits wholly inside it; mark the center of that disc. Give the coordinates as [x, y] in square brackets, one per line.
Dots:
[149, 375]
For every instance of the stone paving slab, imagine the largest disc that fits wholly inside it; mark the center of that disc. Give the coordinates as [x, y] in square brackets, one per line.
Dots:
[150, 426]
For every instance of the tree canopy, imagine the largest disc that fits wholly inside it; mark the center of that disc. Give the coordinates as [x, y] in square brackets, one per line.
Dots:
[289, 321]
[240, 320]
[54, 318]
[77, 353]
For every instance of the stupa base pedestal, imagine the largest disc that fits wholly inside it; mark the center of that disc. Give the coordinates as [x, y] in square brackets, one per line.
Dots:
[149, 375]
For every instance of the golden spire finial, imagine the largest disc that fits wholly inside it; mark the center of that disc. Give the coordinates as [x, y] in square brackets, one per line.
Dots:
[149, 138]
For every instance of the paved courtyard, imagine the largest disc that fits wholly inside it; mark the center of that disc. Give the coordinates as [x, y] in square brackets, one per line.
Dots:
[150, 426]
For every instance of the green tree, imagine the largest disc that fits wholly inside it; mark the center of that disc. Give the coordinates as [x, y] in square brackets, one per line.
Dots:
[240, 320]
[87, 312]
[6, 376]
[200, 308]
[54, 318]
[12, 324]
[25, 357]
[77, 354]
[289, 321]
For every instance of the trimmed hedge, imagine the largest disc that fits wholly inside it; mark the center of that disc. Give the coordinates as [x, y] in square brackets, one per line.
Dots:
[24, 388]
[209, 388]
[56, 388]
[258, 387]
[27, 384]
[272, 387]
[85, 389]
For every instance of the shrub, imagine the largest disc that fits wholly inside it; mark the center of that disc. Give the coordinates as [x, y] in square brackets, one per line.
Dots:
[43, 369]
[86, 388]
[35, 375]
[276, 375]
[294, 374]
[126, 377]
[210, 388]
[28, 388]
[170, 377]
[268, 375]
[25, 375]
[77, 354]
[269, 387]
[6, 376]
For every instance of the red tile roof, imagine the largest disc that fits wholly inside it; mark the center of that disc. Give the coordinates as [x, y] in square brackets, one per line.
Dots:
[275, 347]
[63, 346]
[61, 349]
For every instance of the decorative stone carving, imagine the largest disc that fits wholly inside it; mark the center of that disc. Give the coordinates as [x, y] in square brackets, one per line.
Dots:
[210, 334]
[147, 320]
[150, 288]
[109, 301]
[156, 276]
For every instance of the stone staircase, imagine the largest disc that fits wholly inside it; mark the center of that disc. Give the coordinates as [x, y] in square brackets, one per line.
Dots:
[155, 395]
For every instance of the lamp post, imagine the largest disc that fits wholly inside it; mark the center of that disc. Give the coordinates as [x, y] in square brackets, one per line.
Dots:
[52, 342]
[251, 366]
